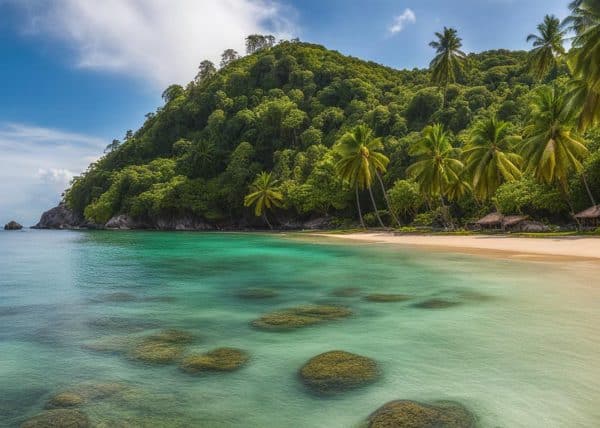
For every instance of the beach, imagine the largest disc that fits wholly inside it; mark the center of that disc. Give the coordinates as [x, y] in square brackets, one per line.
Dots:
[556, 247]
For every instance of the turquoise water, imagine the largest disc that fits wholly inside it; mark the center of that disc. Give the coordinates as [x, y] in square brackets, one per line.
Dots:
[521, 350]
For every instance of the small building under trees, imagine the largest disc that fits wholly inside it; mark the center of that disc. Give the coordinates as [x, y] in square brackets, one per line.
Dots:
[590, 218]
[497, 221]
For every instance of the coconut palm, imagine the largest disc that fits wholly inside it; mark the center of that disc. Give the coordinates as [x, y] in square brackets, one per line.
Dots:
[264, 195]
[584, 61]
[438, 167]
[360, 162]
[552, 148]
[547, 47]
[449, 59]
[489, 158]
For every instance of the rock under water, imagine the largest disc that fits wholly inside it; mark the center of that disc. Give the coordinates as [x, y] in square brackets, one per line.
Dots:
[412, 414]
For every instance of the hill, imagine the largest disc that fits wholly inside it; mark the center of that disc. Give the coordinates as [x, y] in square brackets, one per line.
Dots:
[281, 109]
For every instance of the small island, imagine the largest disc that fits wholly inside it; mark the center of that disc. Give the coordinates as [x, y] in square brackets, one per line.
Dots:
[13, 225]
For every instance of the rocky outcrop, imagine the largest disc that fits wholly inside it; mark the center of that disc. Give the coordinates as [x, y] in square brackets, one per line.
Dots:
[122, 222]
[533, 226]
[12, 225]
[60, 217]
[181, 223]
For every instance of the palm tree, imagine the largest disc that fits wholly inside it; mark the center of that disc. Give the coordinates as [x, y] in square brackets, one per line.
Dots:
[264, 195]
[584, 61]
[489, 158]
[361, 161]
[547, 47]
[449, 59]
[438, 167]
[552, 148]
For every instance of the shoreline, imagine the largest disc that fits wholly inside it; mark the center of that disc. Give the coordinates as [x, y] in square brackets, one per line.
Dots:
[546, 249]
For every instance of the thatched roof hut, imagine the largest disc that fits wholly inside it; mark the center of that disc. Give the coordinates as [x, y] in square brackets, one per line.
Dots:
[589, 217]
[499, 221]
[492, 220]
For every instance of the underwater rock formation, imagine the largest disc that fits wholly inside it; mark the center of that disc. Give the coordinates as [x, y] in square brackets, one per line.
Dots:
[337, 371]
[411, 414]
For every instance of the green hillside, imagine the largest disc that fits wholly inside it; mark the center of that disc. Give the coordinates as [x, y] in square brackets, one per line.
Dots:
[281, 110]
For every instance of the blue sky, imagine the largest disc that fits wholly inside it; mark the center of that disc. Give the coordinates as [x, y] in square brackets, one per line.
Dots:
[78, 73]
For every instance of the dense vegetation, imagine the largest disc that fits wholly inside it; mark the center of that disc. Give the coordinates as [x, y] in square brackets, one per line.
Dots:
[296, 131]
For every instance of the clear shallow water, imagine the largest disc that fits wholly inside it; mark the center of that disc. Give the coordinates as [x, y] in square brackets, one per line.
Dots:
[522, 349]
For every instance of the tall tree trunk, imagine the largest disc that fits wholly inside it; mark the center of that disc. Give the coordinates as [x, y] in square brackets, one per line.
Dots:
[446, 214]
[267, 220]
[565, 193]
[362, 223]
[587, 187]
[375, 207]
[387, 201]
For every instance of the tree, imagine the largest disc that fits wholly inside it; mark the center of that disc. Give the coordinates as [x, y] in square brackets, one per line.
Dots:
[405, 198]
[112, 146]
[584, 61]
[205, 70]
[437, 167]
[256, 42]
[552, 149]
[360, 161]
[264, 195]
[449, 59]
[547, 47]
[489, 157]
[228, 56]
[171, 93]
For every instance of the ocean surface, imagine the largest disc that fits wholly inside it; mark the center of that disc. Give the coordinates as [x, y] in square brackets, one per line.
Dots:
[520, 348]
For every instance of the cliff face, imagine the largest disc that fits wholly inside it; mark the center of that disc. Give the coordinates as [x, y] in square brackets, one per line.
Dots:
[60, 217]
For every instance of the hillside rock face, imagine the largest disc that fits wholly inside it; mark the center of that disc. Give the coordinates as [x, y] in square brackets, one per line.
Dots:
[125, 222]
[60, 217]
[12, 225]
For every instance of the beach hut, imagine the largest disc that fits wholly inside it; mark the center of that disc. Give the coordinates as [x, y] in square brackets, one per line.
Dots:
[512, 223]
[590, 218]
[492, 221]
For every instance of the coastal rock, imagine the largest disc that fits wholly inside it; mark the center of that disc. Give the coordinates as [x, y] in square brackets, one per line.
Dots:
[338, 371]
[346, 292]
[411, 414]
[58, 418]
[221, 359]
[533, 227]
[12, 225]
[60, 217]
[122, 222]
[182, 223]
[383, 298]
[302, 316]
[317, 223]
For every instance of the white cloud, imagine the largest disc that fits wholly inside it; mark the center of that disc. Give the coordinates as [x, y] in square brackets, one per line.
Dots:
[36, 166]
[161, 41]
[400, 21]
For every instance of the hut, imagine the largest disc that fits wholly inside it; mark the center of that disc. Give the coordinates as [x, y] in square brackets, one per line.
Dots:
[512, 223]
[499, 222]
[590, 218]
[492, 221]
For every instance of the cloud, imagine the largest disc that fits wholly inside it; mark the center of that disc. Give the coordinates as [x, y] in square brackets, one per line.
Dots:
[37, 165]
[160, 41]
[400, 21]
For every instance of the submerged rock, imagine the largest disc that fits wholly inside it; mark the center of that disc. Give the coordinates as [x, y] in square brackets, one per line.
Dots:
[58, 418]
[117, 297]
[156, 352]
[121, 324]
[256, 293]
[338, 371]
[435, 304]
[110, 345]
[301, 316]
[161, 348]
[382, 298]
[346, 292]
[221, 359]
[411, 414]
[65, 399]
[12, 225]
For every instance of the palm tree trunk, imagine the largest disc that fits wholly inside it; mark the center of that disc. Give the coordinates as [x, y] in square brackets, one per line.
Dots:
[375, 207]
[267, 220]
[387, 201]
[587, 187]
[565, 192]
[362, 223]
[446, 214]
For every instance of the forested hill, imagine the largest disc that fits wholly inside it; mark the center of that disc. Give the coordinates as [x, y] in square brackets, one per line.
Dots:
[281, 110]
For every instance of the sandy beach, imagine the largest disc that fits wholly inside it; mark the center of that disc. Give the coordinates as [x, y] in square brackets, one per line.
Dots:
[560, 247]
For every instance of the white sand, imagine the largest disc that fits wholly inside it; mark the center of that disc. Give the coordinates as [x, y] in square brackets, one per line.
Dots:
[570, 247]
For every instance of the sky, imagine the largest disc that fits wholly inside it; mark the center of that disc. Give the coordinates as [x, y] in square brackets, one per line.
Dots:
[78, 73]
